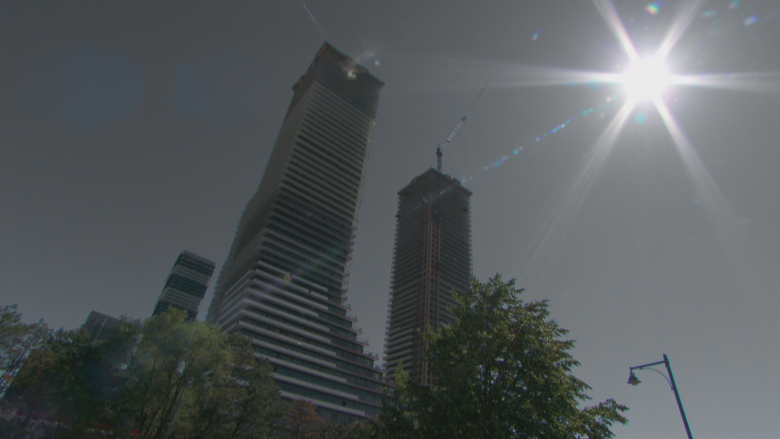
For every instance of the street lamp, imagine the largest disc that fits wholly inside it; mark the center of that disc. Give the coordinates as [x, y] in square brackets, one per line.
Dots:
[633, 380]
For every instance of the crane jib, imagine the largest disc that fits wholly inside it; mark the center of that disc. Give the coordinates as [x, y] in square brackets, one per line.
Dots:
[441, 148]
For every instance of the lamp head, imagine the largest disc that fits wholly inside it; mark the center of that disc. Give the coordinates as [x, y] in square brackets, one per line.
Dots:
[633, 380]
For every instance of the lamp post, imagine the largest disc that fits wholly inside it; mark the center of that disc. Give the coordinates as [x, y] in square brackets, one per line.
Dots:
[633, 380]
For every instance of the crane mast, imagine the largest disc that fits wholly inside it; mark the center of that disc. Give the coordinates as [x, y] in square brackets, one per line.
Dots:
[440, 149]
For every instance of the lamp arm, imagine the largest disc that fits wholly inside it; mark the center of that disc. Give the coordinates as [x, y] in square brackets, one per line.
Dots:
[647, 365]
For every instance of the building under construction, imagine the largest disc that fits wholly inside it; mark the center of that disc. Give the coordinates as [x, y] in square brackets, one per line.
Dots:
[432, 256]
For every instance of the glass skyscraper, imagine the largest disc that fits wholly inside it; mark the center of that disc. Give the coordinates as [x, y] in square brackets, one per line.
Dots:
[285, 278]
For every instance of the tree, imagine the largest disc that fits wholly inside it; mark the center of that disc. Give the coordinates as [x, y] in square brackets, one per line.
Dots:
[67, 378]
[71, 381]
[201, 380]
[303, 421]
[17, 341]
[132, 383]
[359, 430]
[171, 354]
[243, 404]
[502, 371]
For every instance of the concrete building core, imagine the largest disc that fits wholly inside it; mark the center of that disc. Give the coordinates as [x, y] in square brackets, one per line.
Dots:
[431, 257]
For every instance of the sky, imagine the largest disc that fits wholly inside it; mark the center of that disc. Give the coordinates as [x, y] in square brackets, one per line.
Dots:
[131, 131]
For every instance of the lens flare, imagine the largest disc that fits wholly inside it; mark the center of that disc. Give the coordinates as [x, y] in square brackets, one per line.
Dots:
[652, 8]
[646, 79]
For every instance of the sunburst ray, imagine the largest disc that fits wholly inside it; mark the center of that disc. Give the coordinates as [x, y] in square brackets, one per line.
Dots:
[683, 19]
[611, 18]
[559, 223]
[758, 82]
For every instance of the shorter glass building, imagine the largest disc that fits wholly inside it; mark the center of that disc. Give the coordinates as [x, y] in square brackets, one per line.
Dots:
[99, 326]
[186, 285]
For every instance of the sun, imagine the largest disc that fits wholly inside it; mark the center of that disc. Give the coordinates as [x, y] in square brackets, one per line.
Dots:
[646, 79]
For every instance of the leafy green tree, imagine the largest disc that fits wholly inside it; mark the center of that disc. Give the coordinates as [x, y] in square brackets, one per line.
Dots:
[68, 381]
[17, 341]
[242, 404]
[360, 430]
[171, 354]
[134, 382]
[502, 370]
[303, 421]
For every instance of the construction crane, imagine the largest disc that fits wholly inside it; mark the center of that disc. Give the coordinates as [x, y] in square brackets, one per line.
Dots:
[440, 148]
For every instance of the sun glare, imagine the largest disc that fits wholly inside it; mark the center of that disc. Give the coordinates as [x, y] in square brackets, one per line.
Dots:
[646, 79]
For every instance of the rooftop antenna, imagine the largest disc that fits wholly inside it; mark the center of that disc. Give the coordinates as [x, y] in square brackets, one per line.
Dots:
[440, 148]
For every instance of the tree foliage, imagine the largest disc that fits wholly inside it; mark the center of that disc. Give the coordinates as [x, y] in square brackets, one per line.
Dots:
[67, 381]
[17, 341]
[303, 421]
[503, 370]
[172, 353]
[241, 404]
[132, 383]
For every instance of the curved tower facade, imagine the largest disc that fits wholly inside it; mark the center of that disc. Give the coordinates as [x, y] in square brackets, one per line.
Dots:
[285, 278]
